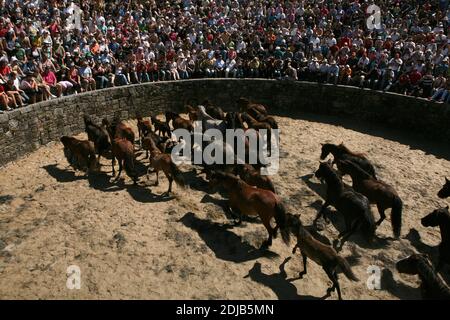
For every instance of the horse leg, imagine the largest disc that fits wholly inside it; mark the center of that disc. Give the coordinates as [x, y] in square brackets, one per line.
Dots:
[170, 184]
[295, 248]
[269, 228]
[334, 278]
[322, 213]
[157, 177]
[120, 168]
[348, 233]
[382, 214]
[113, 163]
[305, 258]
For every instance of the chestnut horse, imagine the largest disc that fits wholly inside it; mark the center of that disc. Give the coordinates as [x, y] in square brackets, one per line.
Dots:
[440, 217]
[432, 286]
[178, 122]
[80, 153]
[322, 254]
[163, 162]
[354, 206]
[252, 201]
[341, 152]
[123, 150]
[378, 192]
[119, 130]
[245, 105]
[253, 177]
[445, 191]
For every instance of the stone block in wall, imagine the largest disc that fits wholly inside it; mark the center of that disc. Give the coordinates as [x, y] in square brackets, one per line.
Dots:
[4, 117]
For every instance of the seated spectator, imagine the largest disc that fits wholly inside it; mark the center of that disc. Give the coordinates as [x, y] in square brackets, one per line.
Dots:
[87, 80]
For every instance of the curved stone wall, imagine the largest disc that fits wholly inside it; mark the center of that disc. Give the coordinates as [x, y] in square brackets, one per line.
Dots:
[25, 129]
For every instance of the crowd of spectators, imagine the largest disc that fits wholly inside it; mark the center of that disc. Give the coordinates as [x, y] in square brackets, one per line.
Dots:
[47, 52]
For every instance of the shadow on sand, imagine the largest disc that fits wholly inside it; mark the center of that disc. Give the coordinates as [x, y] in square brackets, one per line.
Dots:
[277, 282]
[225, 244]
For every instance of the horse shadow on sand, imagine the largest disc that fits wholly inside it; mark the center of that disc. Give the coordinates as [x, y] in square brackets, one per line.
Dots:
[225, 244]
[398, 288]
[278, 282]
[104, 182]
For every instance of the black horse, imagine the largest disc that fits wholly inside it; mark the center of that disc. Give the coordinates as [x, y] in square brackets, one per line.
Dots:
[98, 135]
[440, 217]
[354, 206]
[341, 152]
[432, 286]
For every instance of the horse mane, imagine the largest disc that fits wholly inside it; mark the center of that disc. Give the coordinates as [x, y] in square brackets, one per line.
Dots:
[333, 175]
[343, 148]
[428, 275]
[355, 168]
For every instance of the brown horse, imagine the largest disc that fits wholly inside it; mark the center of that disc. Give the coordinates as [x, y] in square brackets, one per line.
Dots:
[253, 177]
[161, 142]
[445, 191]
[378, 192]
[354, 206]
[144, 127]
[341, 152]
[161, 127]
[119, 130]
[192, 112]
[178, 122]
[214, 111]
[123, 150]
[432, 286]
[440, 217]
[80, 154]
[322, 254]
[245, 105]
[252, 201]
[163, 162]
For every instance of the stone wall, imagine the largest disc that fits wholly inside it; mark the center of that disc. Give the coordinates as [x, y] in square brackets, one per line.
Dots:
[24, 130]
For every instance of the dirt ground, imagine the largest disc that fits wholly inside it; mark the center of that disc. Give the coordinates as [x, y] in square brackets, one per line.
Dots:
[132, 243]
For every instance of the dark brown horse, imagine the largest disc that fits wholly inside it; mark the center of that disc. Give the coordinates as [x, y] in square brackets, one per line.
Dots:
[253, 177]
[378, 192]
[192, 112]
[445, 191]
[256, 125]
[440, 217]
[123, 150]
[98, 136]
[178, 122]
[432, 286]
[354, 206]
[161, 127]
[245, 105]
[251, 201]
[144, 127]
[214, 111]
[341, 152]
[163, 162]
[322, 254]
[80, 154]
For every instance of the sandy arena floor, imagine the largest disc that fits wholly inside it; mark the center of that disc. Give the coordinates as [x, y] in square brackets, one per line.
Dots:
[131, 243]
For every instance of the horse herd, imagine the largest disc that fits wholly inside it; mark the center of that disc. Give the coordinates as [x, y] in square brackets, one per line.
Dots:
[253, 194]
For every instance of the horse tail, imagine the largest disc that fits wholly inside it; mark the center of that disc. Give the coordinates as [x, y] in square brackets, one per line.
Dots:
[281, 220]
[346, 269]
[396, 215]
[176, 174]
[71, 158]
